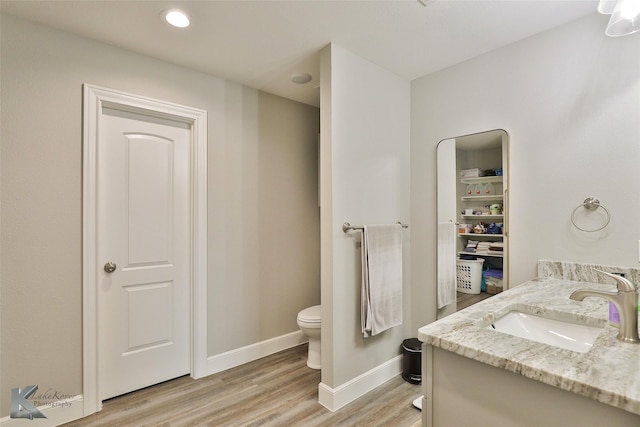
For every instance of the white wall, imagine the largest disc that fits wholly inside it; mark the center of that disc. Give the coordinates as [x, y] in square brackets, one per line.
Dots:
[365, 180]
[262, 200]
[570, 100]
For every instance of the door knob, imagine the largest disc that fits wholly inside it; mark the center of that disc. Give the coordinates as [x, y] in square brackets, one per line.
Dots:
[110, 267]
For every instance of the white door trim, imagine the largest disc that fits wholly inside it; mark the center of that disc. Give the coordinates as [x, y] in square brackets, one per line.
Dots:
[94, 99]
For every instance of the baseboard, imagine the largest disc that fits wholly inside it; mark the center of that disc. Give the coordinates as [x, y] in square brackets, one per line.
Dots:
[57, 412]
[335, 398]
[231, 359]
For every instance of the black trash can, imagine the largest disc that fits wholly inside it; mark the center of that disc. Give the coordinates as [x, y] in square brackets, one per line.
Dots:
[412, 360]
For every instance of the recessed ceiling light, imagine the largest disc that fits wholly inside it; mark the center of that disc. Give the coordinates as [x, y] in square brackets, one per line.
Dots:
[301, 78]
[176, 18]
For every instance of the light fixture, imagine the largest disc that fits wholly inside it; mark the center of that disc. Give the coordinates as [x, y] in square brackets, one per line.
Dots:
[301, 78]
[177, 18]
[625, 16]
[606, 6]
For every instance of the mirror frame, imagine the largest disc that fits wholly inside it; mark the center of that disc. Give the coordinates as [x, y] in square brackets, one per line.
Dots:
[475, 138]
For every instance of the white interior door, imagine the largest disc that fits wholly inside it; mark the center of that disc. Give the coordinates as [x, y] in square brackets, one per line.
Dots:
[143, 220]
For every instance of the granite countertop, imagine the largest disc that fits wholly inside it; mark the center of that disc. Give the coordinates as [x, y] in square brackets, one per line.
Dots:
[609, 372]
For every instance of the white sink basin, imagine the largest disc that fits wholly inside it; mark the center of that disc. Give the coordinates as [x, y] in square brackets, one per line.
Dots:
[561, 334]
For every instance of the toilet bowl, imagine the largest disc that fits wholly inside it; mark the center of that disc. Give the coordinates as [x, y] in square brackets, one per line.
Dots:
[310, 322]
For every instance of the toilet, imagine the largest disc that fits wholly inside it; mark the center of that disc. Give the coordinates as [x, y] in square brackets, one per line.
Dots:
[310, 321]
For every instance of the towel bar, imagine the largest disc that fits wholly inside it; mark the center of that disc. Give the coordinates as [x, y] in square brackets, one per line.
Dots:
[346, 227]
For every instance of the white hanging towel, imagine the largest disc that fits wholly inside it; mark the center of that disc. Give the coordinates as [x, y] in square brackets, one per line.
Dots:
[446, 263]
[381, 299]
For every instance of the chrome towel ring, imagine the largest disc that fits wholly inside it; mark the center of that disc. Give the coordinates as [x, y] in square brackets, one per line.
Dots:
[590, 204]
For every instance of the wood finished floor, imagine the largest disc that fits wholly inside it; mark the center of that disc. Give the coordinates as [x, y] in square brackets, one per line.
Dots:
[278, 390]
[465, 300]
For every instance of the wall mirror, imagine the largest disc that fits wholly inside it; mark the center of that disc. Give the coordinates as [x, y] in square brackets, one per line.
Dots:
[472, 219]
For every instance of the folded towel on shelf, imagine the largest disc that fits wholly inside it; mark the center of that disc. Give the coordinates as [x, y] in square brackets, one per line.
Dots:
[483, 247]
[381, 299]
[446, 286]
[496, 248]
[471, 244]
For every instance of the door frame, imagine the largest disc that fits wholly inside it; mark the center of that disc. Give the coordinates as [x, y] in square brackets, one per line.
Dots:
[94, 99]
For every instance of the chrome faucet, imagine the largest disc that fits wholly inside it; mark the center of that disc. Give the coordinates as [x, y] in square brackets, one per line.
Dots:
[625, 300]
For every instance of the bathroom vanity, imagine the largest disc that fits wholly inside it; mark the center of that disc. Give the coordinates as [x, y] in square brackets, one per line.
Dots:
[475, 375]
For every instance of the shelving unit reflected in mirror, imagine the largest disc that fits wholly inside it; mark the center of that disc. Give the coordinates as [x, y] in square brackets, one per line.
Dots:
[473, 194]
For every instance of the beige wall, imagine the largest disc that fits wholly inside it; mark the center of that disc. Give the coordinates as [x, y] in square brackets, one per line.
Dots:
[264, 224]
[289, 215]
[570, 100]
[365, 180]
[42, 72]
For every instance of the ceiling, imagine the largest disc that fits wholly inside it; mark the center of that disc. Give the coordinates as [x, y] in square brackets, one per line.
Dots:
[262, 43]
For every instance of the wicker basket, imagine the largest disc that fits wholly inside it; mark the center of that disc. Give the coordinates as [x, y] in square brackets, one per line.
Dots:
[469, 275]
